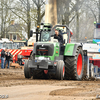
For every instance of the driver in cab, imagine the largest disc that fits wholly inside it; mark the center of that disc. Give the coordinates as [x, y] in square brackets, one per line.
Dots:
[58, 36]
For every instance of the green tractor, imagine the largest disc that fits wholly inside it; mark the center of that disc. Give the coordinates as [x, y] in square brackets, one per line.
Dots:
[47, 59]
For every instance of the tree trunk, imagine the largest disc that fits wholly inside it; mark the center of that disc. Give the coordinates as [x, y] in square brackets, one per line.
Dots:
[38, 20]
[99, 11]
[2, 19]
[38, 13]
[77, 27]
[66, 14]
[51, 12]
[28, 18]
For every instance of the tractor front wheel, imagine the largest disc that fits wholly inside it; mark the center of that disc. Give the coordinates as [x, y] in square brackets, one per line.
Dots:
[27, 72]
[74, 65]
[60, 72]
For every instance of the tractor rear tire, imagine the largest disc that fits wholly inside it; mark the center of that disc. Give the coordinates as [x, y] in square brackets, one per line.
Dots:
[74, 65]
[27, 72]
[60, 72]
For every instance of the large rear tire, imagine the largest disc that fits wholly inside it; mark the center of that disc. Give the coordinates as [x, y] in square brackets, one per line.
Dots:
[27, 72]
[74, 65]
[60, 72]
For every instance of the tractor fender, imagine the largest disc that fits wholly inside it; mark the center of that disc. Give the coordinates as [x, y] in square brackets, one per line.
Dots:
[70, 49]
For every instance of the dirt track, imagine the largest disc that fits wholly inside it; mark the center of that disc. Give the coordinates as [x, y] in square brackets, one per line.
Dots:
[13, 83]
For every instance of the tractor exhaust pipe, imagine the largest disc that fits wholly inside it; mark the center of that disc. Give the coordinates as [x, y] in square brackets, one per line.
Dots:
[37, 32]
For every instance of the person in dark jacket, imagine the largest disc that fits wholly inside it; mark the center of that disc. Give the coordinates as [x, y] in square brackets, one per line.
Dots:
[7, 60]
[3, 57]
[58, 36]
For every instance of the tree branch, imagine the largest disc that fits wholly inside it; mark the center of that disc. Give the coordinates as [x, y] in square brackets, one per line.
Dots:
[35, 2]
[92, 12]
[19, 16]
[42, 15]
[76, 6]
[72, 18]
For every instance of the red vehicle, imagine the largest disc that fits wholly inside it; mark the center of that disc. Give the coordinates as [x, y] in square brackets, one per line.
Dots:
[21, 52]
[18, 51]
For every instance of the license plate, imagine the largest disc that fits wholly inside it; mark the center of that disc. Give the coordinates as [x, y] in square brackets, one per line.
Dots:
[41, 58]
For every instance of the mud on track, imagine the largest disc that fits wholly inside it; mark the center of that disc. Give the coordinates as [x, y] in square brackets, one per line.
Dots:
[76, 89]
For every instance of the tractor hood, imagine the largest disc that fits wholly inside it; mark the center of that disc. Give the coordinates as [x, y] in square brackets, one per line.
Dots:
[47, 49]
[44, 49]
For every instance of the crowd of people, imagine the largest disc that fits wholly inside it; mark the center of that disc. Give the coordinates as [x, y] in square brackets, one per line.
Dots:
[5, 58]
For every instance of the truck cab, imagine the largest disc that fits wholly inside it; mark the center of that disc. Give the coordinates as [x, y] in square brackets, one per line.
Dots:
[96, 37]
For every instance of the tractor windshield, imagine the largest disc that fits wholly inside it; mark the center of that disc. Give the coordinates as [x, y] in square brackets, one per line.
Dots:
[45, 36]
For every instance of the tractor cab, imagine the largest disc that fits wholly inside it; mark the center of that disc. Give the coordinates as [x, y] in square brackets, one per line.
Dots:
[63, 31]
[47, 33]
[48, 38]
[43, 33]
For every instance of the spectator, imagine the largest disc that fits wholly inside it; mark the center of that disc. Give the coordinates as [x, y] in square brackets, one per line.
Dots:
[7, 60]
[3, 57]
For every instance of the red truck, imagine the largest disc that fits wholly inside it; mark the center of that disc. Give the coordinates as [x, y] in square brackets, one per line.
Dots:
[18, 50]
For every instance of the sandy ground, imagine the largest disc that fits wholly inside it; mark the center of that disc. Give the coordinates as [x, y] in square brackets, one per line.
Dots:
[14, 84]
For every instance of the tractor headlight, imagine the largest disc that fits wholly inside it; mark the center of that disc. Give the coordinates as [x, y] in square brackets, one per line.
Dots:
[48, 58]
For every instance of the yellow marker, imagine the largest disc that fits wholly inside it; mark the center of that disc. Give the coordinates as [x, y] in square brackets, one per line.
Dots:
[38, 26]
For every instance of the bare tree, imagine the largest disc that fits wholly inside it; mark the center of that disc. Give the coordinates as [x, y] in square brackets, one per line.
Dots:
[27, 7]
[39, 5]
[5, 15]
[84, 21]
